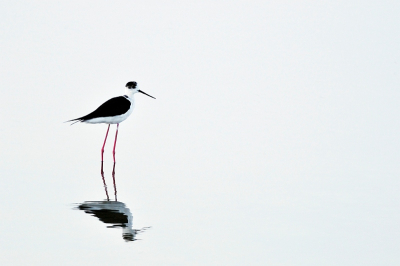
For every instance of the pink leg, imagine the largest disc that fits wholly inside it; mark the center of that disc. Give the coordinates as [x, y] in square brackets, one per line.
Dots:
[102, 172]
[115, 142]
[102, 149]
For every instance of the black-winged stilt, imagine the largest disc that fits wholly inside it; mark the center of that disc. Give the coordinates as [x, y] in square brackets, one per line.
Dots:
[113, 111]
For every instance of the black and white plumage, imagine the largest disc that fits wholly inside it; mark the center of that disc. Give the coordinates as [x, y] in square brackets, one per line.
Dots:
[115, 110]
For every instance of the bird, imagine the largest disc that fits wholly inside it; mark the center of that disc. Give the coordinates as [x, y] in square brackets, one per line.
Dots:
[113, 111]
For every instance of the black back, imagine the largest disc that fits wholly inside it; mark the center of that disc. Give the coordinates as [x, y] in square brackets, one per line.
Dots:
[113, 107]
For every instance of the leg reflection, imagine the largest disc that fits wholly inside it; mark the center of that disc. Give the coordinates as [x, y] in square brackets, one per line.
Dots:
[115, 186]
[104, 181]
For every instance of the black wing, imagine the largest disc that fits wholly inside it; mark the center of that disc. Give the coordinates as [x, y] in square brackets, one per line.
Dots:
[113, 107]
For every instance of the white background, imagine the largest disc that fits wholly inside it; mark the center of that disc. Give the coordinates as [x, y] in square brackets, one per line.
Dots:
[274, 138]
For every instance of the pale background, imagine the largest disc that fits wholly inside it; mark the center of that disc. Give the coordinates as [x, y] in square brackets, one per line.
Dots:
[274, 138]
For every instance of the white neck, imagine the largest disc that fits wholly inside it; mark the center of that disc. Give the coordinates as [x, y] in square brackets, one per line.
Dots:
[129, 93]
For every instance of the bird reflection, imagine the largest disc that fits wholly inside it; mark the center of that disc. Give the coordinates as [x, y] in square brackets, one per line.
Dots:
[113, 213]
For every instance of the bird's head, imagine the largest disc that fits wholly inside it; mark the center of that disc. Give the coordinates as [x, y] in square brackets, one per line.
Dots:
[131, 85]
[132, 88]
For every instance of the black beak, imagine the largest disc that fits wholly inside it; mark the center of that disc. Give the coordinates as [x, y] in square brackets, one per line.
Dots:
[146, 94]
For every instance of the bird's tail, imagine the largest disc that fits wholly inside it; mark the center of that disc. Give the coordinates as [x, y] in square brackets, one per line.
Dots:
[76, 120]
